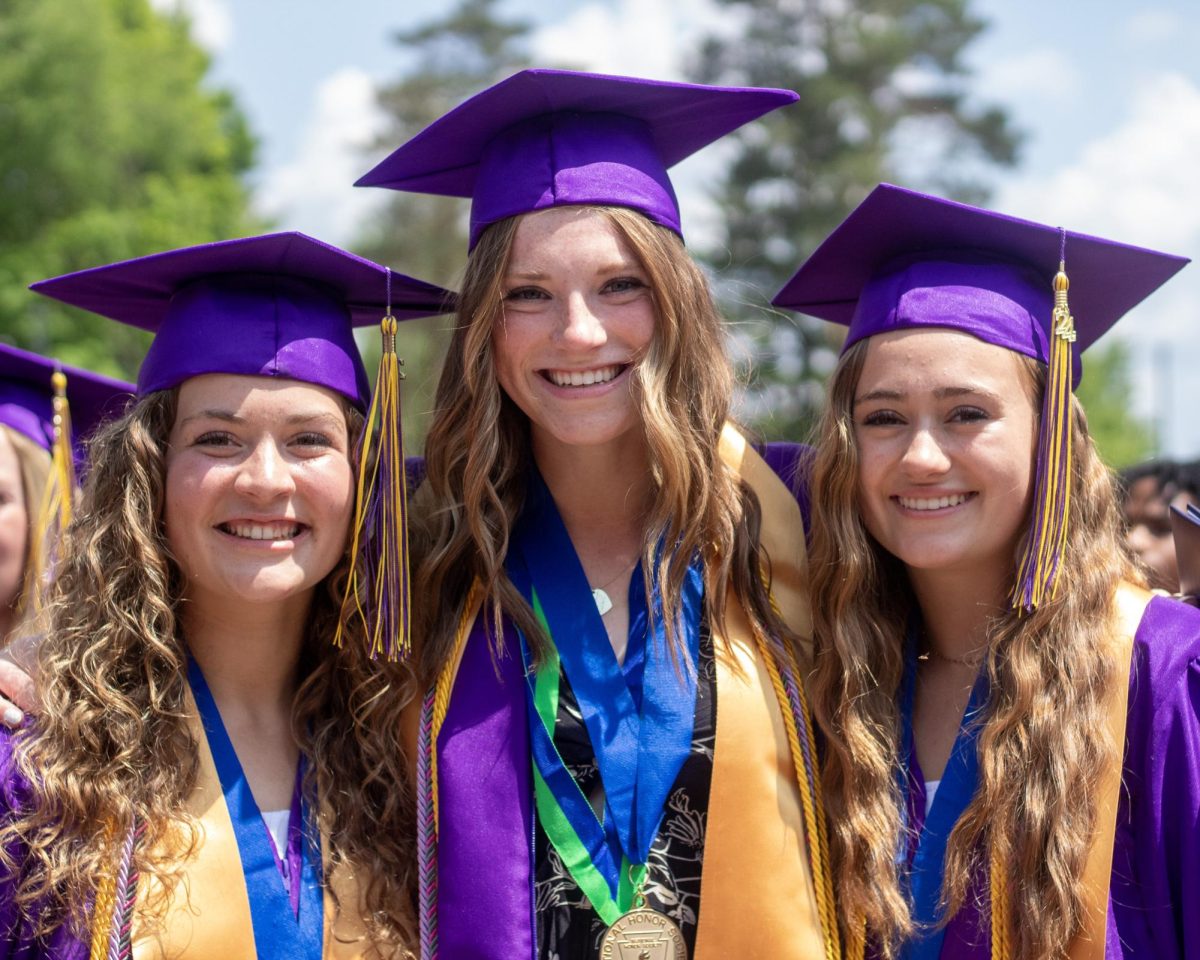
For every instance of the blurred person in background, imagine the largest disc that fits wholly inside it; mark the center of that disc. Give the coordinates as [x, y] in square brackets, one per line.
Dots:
[1149, 490]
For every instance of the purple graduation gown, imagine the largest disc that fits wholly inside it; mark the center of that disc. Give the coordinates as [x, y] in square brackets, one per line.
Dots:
[1154, 898]
[17, 941]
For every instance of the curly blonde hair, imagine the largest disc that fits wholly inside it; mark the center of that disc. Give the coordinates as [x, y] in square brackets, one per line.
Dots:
[479, 453]
[34, 464]
[111, 745]
[1043, 742]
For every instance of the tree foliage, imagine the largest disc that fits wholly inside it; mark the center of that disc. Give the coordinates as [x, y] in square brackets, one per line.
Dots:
[450, 59]
[110, 147]
[885, 95]
[1122, 437]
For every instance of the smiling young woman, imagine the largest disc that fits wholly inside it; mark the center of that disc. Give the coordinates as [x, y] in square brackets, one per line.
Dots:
[1013, 724]
[192, 784]
[609, 579]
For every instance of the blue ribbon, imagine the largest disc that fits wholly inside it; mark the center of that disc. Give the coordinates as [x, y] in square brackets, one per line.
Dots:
[954, 793]
[280, 932]
[639, 752]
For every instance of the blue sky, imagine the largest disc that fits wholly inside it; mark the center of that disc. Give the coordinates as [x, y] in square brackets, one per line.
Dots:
[1108, 93]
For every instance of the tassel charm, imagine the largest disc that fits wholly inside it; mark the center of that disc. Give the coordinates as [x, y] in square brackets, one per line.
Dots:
[377, 589]
[1037, 575]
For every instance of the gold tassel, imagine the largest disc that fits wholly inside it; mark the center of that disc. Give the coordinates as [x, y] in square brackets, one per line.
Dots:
[58, 499]
[1038, 573]
[379, 551]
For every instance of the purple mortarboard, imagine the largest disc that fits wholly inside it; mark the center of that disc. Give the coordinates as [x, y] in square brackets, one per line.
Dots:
[903, 260]
[27, 394]
[280, 305]
[547, 138]
[284, 305]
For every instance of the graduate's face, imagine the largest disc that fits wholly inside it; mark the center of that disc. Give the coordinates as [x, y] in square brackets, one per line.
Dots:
[578, 315]
[14, 524]
[259, 488]
[945, 426]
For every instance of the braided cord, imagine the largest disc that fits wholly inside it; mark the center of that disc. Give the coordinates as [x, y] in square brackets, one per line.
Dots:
[102, 913]
[433, 715]
[120, 941]
[1001, 945]
[427, 834]
[794, 716]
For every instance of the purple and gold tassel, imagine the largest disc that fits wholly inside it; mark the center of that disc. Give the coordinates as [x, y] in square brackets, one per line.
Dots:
[379, 551]
[58, 499]
[1037, 575]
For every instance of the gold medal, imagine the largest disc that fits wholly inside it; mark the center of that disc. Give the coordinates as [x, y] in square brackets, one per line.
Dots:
[643, 934]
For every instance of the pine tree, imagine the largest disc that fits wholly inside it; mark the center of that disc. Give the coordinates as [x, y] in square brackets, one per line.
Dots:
[426, 236]
[884, 96]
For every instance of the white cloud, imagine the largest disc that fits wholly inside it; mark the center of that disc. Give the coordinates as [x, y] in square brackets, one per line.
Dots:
[314, 192]
[211, 20]
[1045, 73]
[1136, 183]
[643, 38]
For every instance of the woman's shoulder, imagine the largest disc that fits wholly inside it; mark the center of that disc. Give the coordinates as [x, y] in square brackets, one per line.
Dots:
[790, 463]
[1166, 653]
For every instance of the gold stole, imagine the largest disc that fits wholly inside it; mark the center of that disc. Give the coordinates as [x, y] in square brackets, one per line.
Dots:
[756, 896]
[1129, 606]
[209, 911]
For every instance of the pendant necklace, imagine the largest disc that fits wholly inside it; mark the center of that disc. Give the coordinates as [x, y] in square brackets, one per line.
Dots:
[600, 594]
[974, 660]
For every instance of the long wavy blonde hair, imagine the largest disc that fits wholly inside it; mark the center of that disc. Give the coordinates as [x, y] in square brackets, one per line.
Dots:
[111, 745]
[1042, 744]
[479, 454]
[34, 464]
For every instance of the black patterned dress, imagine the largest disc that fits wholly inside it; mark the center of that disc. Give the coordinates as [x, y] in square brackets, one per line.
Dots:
[568, 928]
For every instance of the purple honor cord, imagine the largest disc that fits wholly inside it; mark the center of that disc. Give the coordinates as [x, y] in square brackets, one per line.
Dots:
[287, 924]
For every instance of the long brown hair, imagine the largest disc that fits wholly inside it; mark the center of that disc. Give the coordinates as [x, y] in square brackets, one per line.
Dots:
[1042, 744]
[112, 744]
[479, 452]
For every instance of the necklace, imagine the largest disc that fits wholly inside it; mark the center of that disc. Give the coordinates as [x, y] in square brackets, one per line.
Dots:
[973, 660]
[600, 594]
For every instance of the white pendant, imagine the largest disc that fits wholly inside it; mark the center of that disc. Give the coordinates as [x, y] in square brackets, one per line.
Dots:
[603, 601]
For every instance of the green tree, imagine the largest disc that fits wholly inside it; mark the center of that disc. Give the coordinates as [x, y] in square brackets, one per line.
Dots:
[426, 236]
[110, 147]
[884, 96]
[1106, 392]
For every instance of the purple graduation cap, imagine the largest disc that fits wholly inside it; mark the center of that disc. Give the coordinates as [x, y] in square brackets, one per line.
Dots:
[547, 138]
[285, 305]
[904, 259]
[28, 390]
[279, 305]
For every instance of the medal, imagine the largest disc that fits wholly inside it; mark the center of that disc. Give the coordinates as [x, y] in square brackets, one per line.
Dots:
[643, 934]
